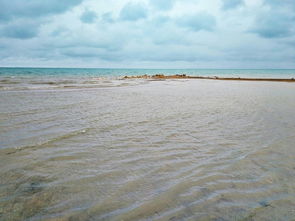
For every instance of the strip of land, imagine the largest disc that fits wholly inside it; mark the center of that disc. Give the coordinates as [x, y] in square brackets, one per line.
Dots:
[184, 76]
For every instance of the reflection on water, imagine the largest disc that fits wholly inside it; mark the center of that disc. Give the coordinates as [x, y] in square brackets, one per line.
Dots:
[149, 150]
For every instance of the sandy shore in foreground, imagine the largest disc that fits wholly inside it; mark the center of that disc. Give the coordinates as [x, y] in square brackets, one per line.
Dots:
[183, 76]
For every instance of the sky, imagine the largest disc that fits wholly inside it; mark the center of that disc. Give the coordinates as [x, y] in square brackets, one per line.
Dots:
[148, 33]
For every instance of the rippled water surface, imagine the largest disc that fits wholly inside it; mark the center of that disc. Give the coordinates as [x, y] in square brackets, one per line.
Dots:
[148, 150]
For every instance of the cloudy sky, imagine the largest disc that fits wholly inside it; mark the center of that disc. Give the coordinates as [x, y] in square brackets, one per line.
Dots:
[148, 33]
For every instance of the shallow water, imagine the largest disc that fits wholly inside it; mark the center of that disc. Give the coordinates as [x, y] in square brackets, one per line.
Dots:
[148, 150]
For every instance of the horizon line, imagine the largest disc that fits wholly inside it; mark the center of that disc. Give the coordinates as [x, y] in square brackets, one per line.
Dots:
[136, 68]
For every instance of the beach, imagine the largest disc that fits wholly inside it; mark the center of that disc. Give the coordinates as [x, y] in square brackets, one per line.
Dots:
[147, 110]
[137, 149]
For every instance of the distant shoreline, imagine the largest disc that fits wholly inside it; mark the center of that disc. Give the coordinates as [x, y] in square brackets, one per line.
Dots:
[184, 76]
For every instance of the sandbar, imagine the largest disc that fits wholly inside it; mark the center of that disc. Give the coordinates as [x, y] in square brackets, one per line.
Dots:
[184, 76]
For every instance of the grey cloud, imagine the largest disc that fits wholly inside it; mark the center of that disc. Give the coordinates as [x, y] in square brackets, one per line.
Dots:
[197, 22]
[161, 20]
[135, 53]
[274, 25]
[162, 4]
[11, 9]
[107, 17]
[289, 4]
[59, 31]
[231, 4]
[133, 12]
[174, 54]
[88, 53]
[22, 19]
[277, 21]
[88, 17]
[107, 42]
[20, 30]
[158, 28]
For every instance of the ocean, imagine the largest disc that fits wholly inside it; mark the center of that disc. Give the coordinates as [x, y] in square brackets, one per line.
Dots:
[83, 144]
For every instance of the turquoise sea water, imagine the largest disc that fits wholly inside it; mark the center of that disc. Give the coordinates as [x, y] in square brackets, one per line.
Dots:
[102, 72]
